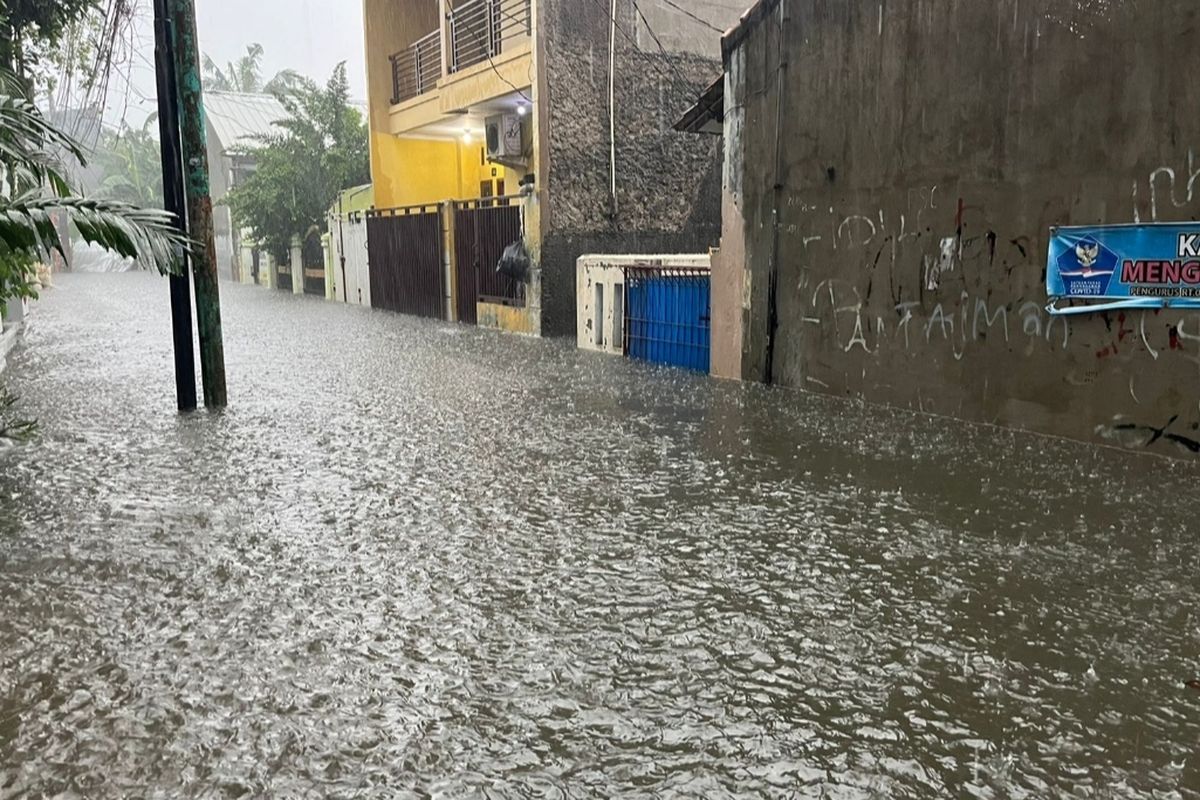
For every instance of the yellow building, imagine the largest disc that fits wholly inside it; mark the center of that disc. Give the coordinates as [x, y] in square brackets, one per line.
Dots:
[543, 122]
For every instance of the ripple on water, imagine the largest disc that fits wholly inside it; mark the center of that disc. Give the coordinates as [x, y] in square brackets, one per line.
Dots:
[415, 559]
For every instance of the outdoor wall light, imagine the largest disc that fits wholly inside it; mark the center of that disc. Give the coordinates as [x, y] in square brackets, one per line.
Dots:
[522, 109]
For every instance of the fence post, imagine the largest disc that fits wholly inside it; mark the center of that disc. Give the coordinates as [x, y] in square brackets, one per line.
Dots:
[533, 288]
[449, 260]
[489, 9]
[330, 279]
[449, 54]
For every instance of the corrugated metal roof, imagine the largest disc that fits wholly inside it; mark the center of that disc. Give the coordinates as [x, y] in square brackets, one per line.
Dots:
[237, 119]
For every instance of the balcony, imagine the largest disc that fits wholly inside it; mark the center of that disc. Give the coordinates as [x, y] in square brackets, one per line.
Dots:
[482, 30]
[417, 68]
[475, 32]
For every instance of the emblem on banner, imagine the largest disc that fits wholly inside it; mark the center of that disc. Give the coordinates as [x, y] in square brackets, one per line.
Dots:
[1087, 270]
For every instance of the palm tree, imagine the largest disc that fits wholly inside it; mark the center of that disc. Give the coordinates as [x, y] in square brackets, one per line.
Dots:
[132, 171]
[245, 75]
[34, 189]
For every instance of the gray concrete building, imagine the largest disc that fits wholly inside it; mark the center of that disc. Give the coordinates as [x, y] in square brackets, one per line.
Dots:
[667, 186]
[892, 174]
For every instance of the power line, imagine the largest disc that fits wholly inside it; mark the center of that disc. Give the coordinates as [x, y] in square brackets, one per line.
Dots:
[499, 75]
[487, 51]
[678, 79]
[687, 13]
[663, 50]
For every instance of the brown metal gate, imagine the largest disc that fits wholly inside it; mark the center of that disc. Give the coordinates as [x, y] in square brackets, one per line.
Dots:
[404, 249]
[313, 257]
[284, 272]
[482, 229]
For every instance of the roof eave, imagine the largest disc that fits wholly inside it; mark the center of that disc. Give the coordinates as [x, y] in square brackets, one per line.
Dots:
[708, 114]
[734, 37]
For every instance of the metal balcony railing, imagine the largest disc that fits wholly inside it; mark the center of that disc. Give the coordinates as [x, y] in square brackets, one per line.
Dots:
[417, 68]
[482, 29]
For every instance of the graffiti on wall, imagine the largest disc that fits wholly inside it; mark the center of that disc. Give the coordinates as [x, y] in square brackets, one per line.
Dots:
[923, 285]
[1165, 189]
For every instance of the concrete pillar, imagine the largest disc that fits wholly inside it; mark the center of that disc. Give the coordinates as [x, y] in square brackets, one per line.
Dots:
[268, 272]
[536, 222]
[444, 30]
[330, 276]
[531, 212]
[247, 264]
[235, 247]
[297, 266]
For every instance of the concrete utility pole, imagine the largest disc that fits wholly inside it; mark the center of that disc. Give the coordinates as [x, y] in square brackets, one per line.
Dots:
[199, 201]
[174, 202]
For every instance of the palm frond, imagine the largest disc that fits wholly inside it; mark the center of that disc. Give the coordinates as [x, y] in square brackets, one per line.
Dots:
[284, 83]
[148, 235]
[10, 426]
[25, 135]
[214, 77]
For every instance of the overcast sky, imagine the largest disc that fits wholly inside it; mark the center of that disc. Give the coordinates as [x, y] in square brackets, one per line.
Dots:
[310, 36]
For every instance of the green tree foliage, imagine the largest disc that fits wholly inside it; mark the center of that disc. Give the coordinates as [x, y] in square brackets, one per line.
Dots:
[31, 30]
[130, 165]
[35, 191]
[319, 150]
[245, 75]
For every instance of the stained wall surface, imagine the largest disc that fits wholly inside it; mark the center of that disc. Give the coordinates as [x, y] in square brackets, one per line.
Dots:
[922, 151]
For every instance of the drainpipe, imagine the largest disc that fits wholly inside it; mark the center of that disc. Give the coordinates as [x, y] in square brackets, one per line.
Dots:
[612, 102]
[773, 278]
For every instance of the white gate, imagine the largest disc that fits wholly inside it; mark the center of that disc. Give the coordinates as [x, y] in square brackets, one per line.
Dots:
[348, 235]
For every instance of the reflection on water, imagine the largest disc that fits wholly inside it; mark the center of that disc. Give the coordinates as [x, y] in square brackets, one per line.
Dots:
[421, 558]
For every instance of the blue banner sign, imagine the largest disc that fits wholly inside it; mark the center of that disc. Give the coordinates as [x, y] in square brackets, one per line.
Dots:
[1127, 266]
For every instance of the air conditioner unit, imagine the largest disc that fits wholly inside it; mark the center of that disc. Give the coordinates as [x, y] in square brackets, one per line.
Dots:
[505, 137]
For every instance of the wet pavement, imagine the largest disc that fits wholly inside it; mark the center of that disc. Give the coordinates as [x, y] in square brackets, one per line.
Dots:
[421, 560]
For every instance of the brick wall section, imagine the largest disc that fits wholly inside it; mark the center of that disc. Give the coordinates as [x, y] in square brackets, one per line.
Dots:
[668, 182]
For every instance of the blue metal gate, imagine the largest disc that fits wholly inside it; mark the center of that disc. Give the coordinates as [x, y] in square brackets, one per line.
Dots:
[668, 317]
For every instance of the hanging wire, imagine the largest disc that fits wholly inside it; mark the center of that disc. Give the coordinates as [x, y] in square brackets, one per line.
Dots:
[687, 13]
[677, 80]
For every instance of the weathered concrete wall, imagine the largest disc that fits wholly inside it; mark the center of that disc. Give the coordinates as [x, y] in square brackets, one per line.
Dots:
[598, 331]
[668, 183]
[927, 148]
[504, 318]
[729, 266]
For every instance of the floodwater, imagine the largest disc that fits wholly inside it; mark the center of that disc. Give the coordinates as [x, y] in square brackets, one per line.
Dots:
[421, 560]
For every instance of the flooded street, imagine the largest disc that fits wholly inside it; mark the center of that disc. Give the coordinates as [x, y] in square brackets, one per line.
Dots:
[422, 560]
